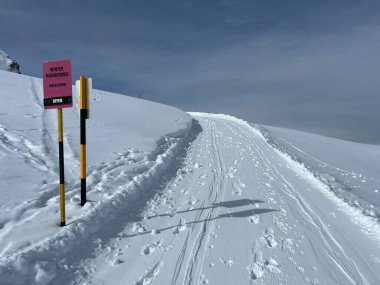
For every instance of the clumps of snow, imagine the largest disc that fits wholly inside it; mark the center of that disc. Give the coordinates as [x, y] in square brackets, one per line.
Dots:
[150, 248]
[269, 238]
[45, 272]
[192, 200]
[182, 226]
[116, 261]
[138, 227]
[197, 165]
[260, 266]
[203, 176]
[301, 269]
[227, 262]
[231, 171]
[256, 271]
[241, 184]
[154, 232]
[236, 189]
[149, 276]
[204, 279]
[287, 244]
[255, 219]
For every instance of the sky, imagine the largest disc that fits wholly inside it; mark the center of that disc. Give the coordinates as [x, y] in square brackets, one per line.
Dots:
[301, 64]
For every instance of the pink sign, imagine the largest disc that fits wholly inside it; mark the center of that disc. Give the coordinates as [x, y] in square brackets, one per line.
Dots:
[57, 84]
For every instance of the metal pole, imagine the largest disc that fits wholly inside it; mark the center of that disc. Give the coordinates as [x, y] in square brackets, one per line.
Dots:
[83, 116]
[61, 168]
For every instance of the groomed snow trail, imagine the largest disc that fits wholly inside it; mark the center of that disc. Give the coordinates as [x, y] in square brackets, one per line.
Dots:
[236, 212]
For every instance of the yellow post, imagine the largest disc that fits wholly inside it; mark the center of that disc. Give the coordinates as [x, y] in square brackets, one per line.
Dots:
[61, 168]
[82, 149]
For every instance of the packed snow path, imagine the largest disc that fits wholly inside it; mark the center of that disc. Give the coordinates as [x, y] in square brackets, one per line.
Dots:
[236, 212]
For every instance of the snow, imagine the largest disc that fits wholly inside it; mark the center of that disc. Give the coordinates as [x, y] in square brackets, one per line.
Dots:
[176, 198]
[8, 64]
[347, 168]
[118, 163]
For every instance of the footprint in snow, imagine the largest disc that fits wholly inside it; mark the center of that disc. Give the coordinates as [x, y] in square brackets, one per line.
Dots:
[197, 165]
[287, 245]
[182, 226]
[227, 262]
[255, 219]
[241, 184]
[46, 272]
[150, 248]
[116, 261]
[260, 266]
[269, 238]
[236, 190]
[192, 200]
[137, 227]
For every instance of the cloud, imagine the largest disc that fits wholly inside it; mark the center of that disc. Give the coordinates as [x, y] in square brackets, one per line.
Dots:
[309, 65]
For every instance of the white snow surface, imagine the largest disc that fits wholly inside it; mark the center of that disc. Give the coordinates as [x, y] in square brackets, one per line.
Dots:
[351, 170]
[176, 198]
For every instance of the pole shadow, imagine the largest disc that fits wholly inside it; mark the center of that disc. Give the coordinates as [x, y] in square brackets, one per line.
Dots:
[240, 214]
[226, 204]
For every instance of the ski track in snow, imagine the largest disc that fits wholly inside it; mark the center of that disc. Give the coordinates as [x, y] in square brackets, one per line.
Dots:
[218, 206]
[293, 243]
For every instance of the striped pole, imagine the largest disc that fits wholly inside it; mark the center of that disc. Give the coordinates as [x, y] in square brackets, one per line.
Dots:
[61, 168]
[83, 116]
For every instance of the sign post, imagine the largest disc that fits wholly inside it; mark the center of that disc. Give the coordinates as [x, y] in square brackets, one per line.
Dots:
[61, 168]
[57, 95]
[83, 117]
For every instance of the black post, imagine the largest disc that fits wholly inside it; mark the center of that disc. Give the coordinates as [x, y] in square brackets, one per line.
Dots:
[61, 168]
[83, 117]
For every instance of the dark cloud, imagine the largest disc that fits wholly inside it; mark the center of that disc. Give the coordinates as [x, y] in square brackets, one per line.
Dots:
[310, 65]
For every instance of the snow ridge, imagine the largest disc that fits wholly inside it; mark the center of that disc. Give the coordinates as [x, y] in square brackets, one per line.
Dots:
[349, 185]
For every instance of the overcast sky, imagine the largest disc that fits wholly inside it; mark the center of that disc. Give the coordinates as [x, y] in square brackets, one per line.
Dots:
[309, 65]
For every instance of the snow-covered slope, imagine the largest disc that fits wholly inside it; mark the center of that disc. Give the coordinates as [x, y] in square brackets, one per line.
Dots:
[351, 170]
[179, 199]
[128, 140]
[8, 64]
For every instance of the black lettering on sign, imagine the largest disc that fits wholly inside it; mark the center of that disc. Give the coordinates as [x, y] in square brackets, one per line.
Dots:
[49, 102]
[59, 68]
[57, 74]
[57, 85]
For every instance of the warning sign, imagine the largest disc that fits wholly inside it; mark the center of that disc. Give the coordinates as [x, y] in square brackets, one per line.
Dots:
[57, 84]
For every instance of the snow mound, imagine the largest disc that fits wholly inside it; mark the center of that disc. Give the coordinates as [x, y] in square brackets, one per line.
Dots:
[8, 64]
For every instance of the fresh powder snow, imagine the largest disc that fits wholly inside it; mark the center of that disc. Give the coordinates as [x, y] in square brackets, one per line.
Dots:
[180, 198]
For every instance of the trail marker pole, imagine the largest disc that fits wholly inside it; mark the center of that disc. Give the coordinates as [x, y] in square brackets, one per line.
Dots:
[57, 95]
[83, 117]
[61, 168]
